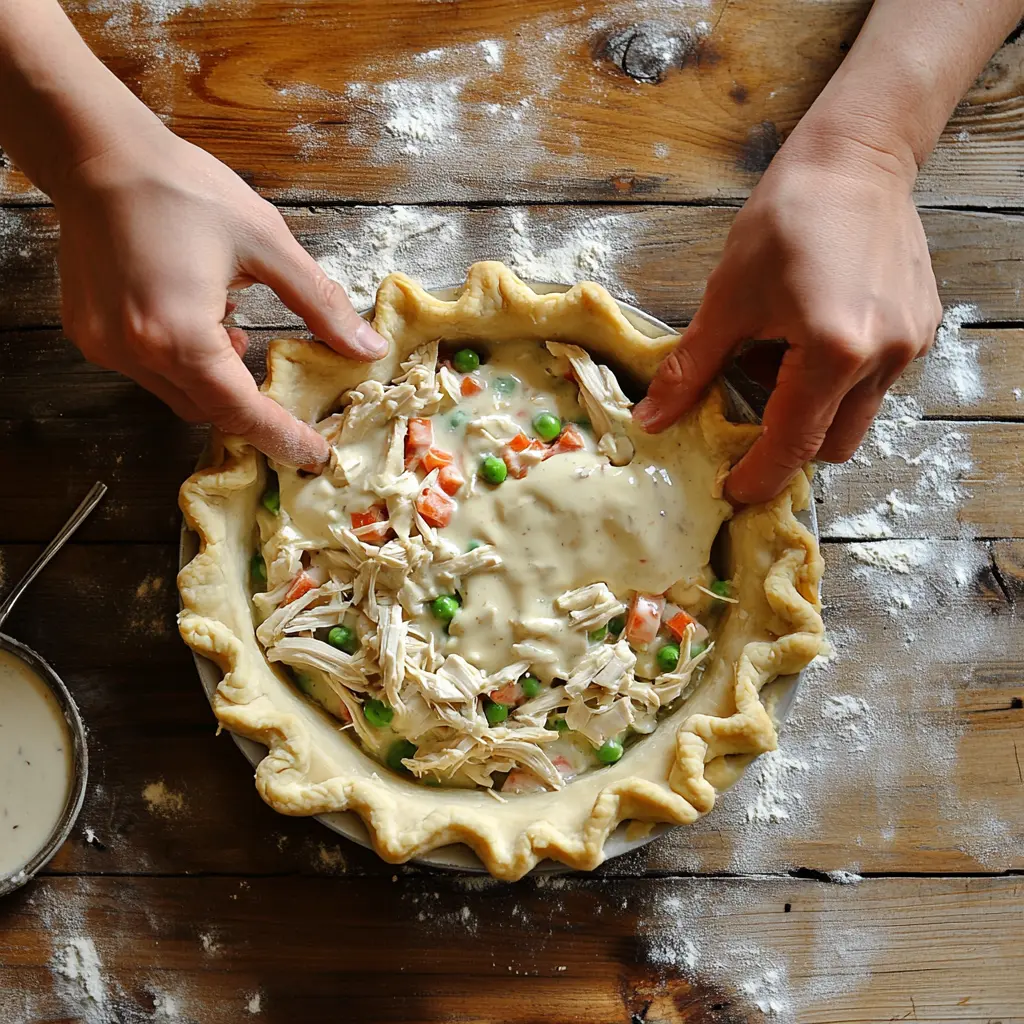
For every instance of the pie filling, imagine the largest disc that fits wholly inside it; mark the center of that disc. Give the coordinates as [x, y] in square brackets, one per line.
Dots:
[497, 581]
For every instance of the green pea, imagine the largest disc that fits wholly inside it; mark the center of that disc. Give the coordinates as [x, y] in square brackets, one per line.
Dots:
[595, 636]
[531, 686]
[668, 657]
[493, 470]
[474, 544]
[258, 569]
[304, 682]
[496, 713]
[610, 751]
[504, 385]
[344, 639]
[398, 752]
[444, 608]
[457, 418]
[377, 713]
[617, 625]
[547, 426]
[466, 360]
[272, 500]
[557, 724]
[697, 648]
[721, 588]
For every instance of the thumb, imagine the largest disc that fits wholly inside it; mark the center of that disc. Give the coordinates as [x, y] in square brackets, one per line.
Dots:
[305, 289]
[228, 397]
[684, 374]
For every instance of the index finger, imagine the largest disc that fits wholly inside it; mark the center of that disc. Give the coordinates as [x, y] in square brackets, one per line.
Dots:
[684, 374]
[795, 422]
[225, 392]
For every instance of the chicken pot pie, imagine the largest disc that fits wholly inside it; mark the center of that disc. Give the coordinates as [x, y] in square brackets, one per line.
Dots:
[493, 618]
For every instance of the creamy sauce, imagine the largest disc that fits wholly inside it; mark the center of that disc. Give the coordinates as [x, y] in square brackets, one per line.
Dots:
[35, 763]
[572, 519]
[575, 520]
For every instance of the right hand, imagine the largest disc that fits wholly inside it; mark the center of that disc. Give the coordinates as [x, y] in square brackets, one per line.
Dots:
[829, 253]
[152, 240]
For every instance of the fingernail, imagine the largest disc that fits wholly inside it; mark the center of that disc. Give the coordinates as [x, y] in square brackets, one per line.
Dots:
[369, 341]
[645, 413]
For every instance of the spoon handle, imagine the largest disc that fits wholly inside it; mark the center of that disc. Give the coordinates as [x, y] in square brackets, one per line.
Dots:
[79, 516]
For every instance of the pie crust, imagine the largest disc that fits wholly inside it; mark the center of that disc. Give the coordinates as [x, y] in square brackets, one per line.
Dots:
[671, 775]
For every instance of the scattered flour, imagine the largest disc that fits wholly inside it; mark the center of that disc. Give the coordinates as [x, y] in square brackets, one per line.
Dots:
[78, 961]
[844, 877]
[901, 556]
[775, 775]
[167, 803]
[428, 244]
[928, 460]
[712, 936]
[255, 1003]
[950, 371]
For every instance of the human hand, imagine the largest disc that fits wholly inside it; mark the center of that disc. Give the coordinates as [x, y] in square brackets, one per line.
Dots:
[828, 253]
[151, 242]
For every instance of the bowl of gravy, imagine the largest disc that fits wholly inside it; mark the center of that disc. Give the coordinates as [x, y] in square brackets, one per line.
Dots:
[44, 763]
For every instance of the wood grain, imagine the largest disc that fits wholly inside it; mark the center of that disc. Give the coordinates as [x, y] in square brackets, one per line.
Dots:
[659, 258]
[924, 780]
[609, 100]
[435, 947]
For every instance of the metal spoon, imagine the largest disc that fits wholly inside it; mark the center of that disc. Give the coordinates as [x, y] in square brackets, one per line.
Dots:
[76, 728]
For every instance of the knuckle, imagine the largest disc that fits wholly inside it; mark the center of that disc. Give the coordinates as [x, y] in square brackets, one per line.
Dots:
[235, 419]
[678, 368]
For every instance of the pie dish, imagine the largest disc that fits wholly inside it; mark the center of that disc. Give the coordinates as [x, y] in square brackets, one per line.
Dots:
[430, 632]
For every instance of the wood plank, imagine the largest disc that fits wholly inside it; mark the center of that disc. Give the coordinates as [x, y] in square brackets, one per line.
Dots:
[900, 756]
[605, 100]
[432, 947]
[657, 256]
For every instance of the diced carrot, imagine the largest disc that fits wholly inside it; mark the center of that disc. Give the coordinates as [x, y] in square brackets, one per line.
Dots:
[302, 584]
[436, 507]
[376, 514]
[471, 386]
[450, 479]
[435, 458]
[510, 694]
[418, 439]
[570, 440]
[644, 618]
[420, 433]
[519, 443]
[679, 622]
[513, 457]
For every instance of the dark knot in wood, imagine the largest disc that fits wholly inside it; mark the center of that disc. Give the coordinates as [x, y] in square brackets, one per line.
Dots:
[648, 51]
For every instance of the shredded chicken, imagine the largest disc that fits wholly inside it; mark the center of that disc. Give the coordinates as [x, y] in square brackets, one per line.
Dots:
[305, 652]
[606, 404]
[590, 607]
[606, 667]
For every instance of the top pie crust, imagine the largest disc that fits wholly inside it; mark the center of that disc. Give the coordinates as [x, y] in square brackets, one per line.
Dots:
[671, 775]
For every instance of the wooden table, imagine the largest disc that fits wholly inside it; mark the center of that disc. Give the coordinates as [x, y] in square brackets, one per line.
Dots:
[618, 138]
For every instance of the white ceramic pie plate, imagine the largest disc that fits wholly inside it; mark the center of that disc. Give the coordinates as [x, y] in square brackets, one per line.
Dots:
[458, 857]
